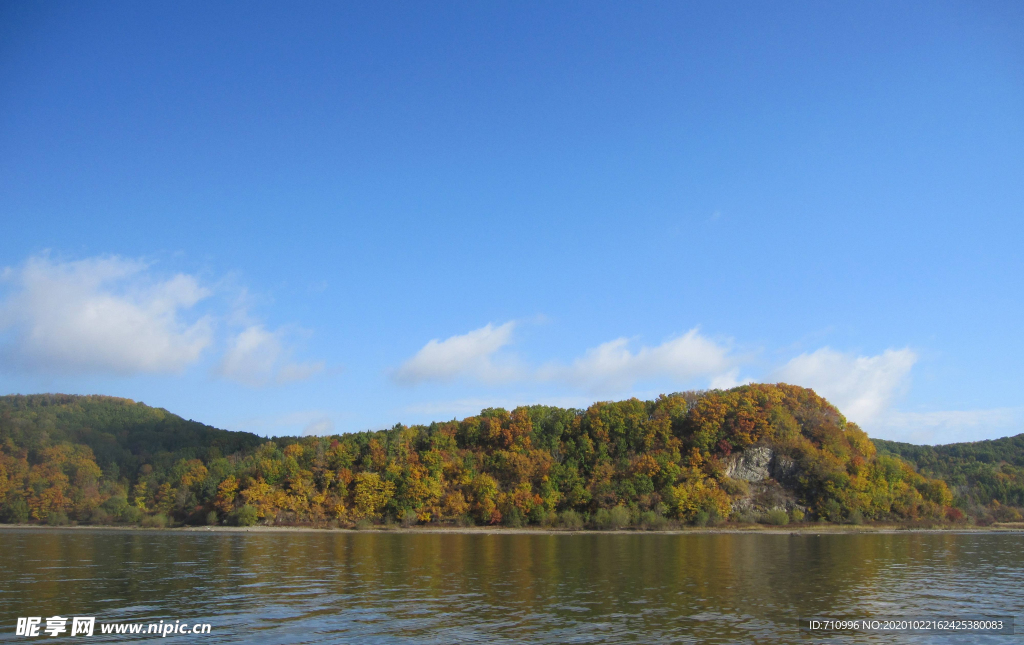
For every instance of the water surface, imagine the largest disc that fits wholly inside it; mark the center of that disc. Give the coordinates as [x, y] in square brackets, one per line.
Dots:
[338, 587]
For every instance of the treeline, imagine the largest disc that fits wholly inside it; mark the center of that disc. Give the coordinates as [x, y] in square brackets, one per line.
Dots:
[987, 477]
[103, 460]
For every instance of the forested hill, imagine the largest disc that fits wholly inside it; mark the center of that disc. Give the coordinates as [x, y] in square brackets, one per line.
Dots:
[770, 453]
[978, 472]
[122, 435]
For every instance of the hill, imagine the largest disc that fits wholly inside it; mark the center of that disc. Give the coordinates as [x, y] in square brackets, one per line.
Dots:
[753, 453]
[987, 477]
[122, 434]
[63, 454]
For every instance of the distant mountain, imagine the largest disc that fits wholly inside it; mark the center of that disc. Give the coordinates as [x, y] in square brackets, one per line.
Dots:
[769, 453]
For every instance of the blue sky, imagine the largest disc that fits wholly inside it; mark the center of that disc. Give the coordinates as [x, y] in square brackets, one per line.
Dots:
[327, 218]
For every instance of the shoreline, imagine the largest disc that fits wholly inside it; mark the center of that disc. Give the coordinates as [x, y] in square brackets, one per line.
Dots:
[809, 529]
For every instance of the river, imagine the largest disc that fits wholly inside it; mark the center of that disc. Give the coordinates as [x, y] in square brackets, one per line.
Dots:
[382, 587]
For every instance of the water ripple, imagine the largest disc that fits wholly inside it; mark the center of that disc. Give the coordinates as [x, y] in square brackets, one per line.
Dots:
[444, 588]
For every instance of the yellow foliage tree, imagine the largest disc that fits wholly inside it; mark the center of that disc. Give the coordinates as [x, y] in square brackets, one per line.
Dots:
[700, 494]
[194, 472]
[371, 495]
[226, 493]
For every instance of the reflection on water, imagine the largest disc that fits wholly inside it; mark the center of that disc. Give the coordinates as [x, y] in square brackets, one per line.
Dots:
[446, 588]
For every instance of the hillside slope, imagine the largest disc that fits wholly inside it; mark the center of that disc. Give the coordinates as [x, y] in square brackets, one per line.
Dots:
[121, 433]
[979, 472]
[753, 452]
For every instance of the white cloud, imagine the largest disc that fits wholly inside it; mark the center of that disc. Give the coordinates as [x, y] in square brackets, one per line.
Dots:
[862, 387]
[728, 380]
[467, 356]
[258, 357]
[609, 367]
[104, 314]
[319, 428]
[112, 315]
[612, 366]
[303, 422]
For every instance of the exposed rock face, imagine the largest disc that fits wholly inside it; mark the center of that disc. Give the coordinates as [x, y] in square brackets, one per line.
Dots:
[769, 476]
[751, 465]
[783, 469]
